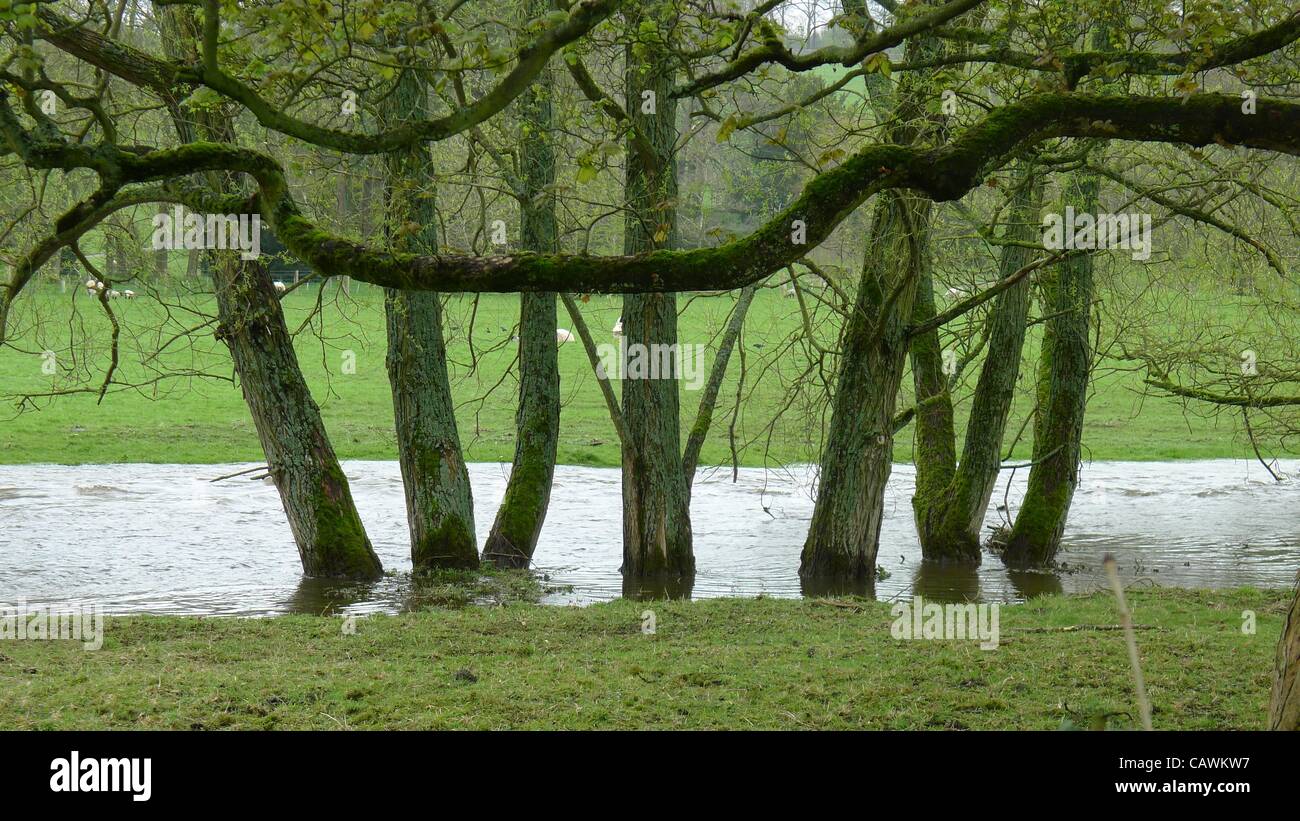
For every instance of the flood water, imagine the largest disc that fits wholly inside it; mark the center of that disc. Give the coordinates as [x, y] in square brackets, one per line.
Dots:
[163, 539]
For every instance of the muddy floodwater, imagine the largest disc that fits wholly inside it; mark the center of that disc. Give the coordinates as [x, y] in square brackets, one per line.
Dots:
[163, 539]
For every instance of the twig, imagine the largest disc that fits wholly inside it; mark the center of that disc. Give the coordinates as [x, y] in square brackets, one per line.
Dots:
[602, 379]
[240, 473]
[1250, 434]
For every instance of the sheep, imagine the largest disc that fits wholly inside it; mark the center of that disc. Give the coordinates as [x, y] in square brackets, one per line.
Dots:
[128, 294]
[280, 287]
[562, 336]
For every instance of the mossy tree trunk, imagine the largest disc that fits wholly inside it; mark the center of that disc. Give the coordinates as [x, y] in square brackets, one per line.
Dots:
[1064, 371]
[1284, 706]
[537, 420]
[935, 438]
[439, 504]
[951, 501]
[1063, 395]
[839, 554]
[317, 500]
[657, 551]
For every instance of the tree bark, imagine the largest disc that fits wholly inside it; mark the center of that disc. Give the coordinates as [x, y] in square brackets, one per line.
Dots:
[317, 500]
[1065, 368]
[950, 505]
[439, 503]
[315, 494]
[1284, 706]
[839, 554]
[658, 558]
[935, 438]
[1063, 392]
[537, 421]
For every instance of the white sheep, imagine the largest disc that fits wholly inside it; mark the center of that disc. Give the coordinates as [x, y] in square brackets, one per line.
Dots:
[280, 287]
[128, 294]
[562, 336]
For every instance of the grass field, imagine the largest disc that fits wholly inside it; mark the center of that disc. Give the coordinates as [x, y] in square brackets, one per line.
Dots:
[710, 664]
[185, 418]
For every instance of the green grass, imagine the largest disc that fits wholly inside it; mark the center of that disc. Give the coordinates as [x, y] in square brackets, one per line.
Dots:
[718, 663]
[196, 420]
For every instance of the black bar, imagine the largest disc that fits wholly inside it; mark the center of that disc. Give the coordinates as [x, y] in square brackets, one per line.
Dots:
[331, 771]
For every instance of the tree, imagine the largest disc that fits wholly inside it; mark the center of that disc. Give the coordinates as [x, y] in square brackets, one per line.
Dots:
[949, 507]
[439, 502]
[1169, 107]
[537, 424]
[1284, 705]
[317, 500]
[845, 531]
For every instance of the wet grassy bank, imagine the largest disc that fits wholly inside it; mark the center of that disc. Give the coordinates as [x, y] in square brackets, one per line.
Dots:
[722, 663]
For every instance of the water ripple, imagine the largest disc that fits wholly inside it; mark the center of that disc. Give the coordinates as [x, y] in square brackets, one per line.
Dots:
[162, 539]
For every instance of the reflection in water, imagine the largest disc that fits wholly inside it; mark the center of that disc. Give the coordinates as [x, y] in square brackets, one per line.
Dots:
[655, 588]
[946, 581]
[162, 539]
[812, 588]
[1031, 583]
[325, 597]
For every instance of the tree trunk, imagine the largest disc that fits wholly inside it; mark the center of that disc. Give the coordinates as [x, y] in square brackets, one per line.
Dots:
[1036, 534]
[439, 503]
[537, 426]
[317, 501]
[935, 439]
[313, 489]
[1284, 706]
[537, 421]
[657, 551]
[1064, 371]
[949, 514]
[839, 554]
